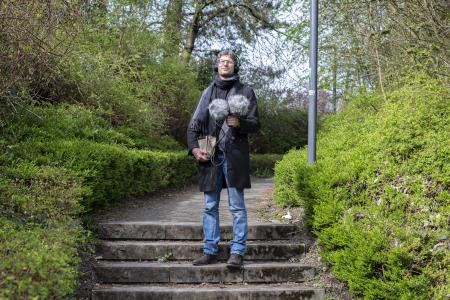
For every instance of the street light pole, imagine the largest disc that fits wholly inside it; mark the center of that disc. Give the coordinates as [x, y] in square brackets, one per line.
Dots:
[312, 92]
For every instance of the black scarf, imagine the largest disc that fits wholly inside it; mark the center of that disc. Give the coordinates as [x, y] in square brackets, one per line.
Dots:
[227, 82]
[200, 119]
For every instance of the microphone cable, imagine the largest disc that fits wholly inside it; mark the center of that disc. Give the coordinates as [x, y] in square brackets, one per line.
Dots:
[225, 134]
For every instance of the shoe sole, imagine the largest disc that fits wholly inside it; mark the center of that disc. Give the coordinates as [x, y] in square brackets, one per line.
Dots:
[234, 267]
[210, 263]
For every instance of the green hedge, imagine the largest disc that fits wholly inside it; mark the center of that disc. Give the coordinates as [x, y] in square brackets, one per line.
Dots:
[48, 123]
[262, 165]
[56, 163]
[39, 233]
[378, 196]
[111, 172]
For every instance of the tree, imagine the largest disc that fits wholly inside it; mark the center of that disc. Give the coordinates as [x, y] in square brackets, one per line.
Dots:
[172, 28]
[372, 43]
[212, 21]
[34, 36]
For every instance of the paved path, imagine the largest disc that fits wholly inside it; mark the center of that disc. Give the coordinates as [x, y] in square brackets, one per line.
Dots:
[185, 206]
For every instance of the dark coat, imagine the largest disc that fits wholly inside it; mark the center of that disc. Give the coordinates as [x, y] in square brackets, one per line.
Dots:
[237, 153]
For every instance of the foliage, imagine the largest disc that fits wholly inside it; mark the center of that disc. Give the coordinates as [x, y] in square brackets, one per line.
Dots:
[29, 191]
[291, 175]
[165, 258]
[42, 123]
[372, 43]
[36, 262]
[38, 230]
[282, 127]
[75, 139]
[30, 48]
[378, 196]
[119, 72]
[112, 172]
[111, 62]
[262, 165]
[57, 162]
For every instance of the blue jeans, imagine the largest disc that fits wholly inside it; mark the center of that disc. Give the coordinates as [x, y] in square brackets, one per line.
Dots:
[211, 226]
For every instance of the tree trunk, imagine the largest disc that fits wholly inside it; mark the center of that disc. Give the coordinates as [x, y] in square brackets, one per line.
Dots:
[374, 36]
[334, 70]
[192, 34]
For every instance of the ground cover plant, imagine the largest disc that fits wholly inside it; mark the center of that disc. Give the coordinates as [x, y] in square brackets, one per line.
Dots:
[378, 196]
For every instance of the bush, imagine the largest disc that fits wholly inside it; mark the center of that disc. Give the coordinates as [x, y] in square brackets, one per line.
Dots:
[30, 47]
[39, 194]
[262, 165]
[291, 175]
[110, 171]
[120, 73]
[65, 121]
[282, 127]
[57, 162]
[36, 262]
[378, 196]
[39, 233]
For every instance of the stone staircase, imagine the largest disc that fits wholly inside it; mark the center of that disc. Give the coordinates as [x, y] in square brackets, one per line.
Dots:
[153, 260]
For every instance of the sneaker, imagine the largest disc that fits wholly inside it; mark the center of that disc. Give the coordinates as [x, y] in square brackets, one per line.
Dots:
[235, 261]
[205, 259]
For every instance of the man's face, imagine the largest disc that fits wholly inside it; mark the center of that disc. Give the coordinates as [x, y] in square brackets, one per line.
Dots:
[226, 66]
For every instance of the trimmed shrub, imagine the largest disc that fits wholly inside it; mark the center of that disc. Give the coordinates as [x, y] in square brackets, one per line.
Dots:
[55, 163]
[111, 172]
[39, 194]
[291, 175]
[39, 233]
[36, 262]
[77, 122]
[262, 165]
[378, 196]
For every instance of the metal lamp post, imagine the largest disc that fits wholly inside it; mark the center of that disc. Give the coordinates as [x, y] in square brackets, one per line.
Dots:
[312, 92]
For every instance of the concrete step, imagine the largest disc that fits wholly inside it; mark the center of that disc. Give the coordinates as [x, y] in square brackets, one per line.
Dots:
[189, 231]
[188, 250]
[198, 292]
[185, 272]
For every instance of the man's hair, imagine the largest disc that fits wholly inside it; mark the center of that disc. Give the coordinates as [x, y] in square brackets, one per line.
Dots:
[233, 56]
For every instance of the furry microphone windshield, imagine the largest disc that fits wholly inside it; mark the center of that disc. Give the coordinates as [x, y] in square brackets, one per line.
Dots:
[238, 105]
[218, 109]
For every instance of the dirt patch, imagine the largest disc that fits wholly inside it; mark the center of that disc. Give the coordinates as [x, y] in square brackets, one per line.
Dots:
[87, 278]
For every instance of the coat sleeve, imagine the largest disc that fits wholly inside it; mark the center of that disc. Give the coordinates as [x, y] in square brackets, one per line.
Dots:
[193, 133]
[250, 123]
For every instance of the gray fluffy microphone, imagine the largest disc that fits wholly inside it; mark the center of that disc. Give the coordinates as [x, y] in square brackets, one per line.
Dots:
[238, 105]
[218, 109]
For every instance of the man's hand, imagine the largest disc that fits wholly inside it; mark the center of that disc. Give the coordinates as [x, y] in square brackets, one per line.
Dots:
[200, 155]
[233, 121]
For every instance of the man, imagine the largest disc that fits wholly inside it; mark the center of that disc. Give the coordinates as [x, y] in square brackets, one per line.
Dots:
[230, 165]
